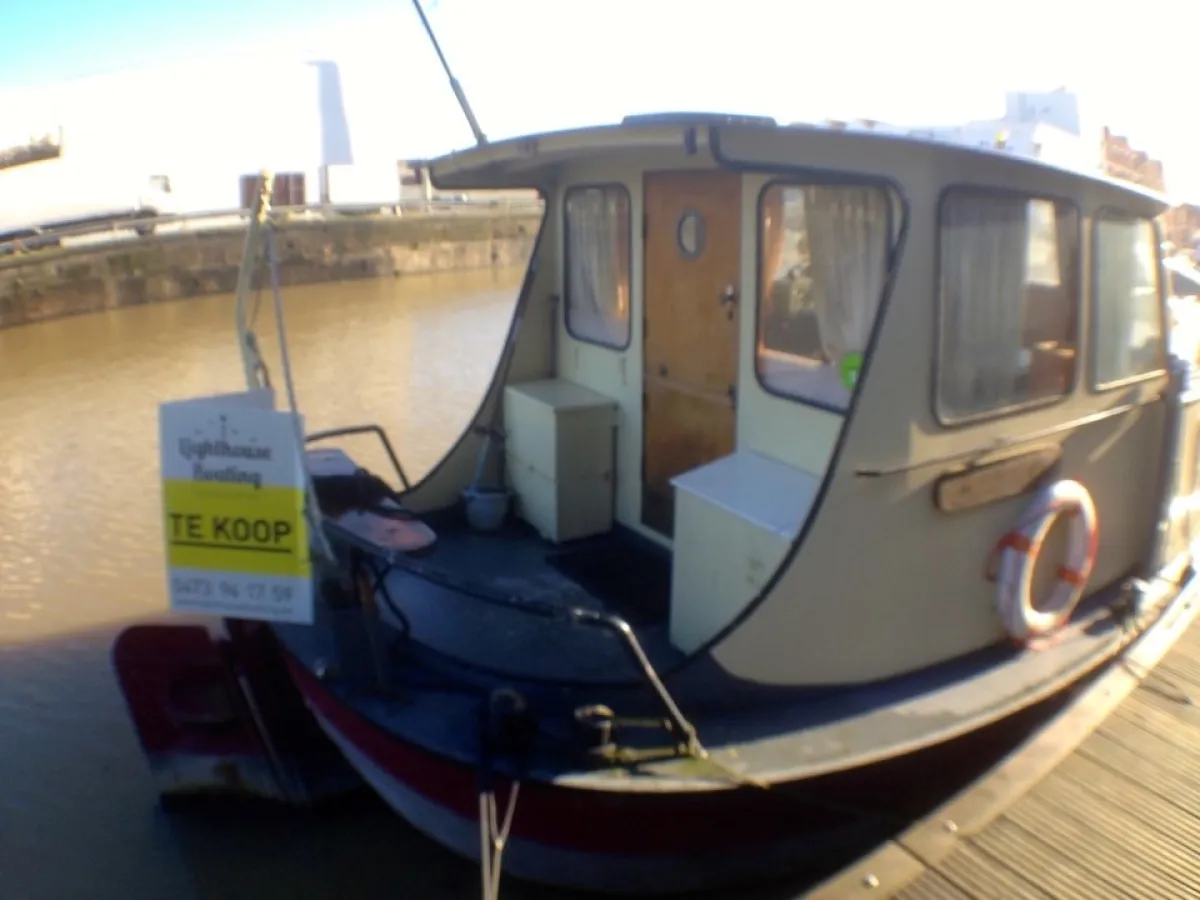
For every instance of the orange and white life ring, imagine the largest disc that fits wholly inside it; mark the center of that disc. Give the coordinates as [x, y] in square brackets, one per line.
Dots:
[1019, 551]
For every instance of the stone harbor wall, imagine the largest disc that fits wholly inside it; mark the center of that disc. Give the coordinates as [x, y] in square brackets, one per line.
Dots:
[64, 281]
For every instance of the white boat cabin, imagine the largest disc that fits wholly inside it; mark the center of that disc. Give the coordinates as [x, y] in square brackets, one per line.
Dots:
[825, 370]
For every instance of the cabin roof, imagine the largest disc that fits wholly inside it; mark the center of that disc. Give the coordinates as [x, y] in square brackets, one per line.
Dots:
[670, 130]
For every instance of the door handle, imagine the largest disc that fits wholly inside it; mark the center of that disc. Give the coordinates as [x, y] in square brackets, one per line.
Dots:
[728, 300]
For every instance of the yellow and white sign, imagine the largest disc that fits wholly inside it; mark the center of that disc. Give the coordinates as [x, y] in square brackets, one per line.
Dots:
[233, 509]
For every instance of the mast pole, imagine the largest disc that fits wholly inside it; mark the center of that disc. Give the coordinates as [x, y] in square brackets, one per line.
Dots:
[480, 138]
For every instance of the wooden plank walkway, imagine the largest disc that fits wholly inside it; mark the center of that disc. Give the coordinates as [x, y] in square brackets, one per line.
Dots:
[1103, 802]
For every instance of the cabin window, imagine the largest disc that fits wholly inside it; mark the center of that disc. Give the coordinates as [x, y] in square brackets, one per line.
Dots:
[1128, 336]
[597, 264]
[1009, 300]
[823, 263]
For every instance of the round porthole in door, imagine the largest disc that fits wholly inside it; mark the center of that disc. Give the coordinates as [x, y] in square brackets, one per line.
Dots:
[689, 233]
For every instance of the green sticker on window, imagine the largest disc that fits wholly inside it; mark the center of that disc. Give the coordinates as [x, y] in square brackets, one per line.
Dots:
[851, 365]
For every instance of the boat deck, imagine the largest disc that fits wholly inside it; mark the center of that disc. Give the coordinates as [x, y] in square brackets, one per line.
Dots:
[1103, 802]
[611, 573]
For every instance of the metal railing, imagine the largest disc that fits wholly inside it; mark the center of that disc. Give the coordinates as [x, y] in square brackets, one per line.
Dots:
[133, 228]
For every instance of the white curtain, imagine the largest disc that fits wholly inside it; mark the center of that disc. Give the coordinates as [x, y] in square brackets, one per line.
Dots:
[597, 305]
[1116, 283]
[848, 241]
[984, 242]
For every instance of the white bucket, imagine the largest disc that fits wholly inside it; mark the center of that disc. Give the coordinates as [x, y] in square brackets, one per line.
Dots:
[487, 508]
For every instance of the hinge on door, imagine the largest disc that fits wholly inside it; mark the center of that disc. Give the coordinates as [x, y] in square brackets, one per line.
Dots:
[645, 225]
[733, 396]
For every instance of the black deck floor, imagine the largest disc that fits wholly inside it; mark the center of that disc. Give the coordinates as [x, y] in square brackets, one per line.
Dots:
[617, 573]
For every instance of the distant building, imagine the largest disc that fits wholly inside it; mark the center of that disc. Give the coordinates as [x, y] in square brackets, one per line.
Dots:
[202, 131]
[1045, 125]
[1052, 126]
[1120, 160]
[1181, 226]
[25, 148]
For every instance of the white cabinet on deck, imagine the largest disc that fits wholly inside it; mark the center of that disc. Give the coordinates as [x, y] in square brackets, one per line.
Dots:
[559, 451]
[735, 519]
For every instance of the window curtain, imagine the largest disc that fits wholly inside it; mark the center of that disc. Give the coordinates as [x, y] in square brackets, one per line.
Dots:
[983, 260]
[1116, 294]
[598, 265]
[848, 241]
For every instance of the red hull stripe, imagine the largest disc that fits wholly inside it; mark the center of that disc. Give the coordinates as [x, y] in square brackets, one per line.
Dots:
[598, 822]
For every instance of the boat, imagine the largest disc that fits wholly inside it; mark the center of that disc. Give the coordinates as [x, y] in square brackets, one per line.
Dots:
[809, 455]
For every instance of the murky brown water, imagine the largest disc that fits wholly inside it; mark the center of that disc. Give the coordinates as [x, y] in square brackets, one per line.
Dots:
[81, 556]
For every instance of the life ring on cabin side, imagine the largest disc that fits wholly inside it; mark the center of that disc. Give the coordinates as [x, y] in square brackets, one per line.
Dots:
[1019, 550]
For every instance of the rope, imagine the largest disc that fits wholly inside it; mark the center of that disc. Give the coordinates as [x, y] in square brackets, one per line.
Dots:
[494, 830]
[260, 366]
[312, 514]
[253, 367]
[257, 303]
[493, 835]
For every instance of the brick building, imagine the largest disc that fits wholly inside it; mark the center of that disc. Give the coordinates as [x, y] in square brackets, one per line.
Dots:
[1121, 160]
[1180, 224]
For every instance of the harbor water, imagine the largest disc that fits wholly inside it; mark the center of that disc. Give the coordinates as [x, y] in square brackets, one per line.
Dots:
[81, 557]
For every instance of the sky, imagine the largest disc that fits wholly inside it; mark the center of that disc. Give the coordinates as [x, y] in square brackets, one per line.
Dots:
[531, 65]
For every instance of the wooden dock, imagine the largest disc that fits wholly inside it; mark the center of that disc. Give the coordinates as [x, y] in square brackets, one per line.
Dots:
[1103, 802]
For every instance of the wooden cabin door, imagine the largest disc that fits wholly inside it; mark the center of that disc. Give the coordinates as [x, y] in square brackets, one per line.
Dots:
[692, 253]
